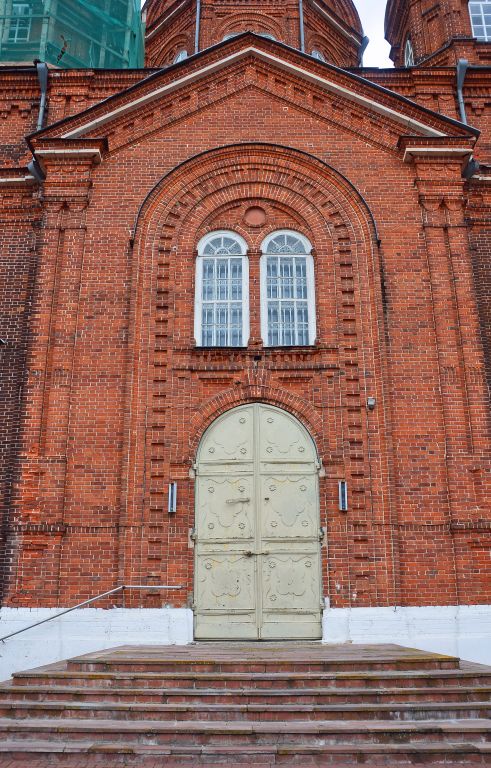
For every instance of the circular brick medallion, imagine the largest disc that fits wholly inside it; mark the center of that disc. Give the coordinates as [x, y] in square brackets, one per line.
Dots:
[255, 216]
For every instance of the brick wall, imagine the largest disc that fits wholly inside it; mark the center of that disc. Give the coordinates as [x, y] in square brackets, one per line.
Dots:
[100, 297]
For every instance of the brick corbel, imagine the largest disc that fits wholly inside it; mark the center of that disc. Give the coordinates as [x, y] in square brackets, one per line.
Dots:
[443, 151]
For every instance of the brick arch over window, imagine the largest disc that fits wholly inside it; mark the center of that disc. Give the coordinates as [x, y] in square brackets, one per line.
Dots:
[346, 11]
[339, 193]
[243, 22]
[165, 57]
[173, 394]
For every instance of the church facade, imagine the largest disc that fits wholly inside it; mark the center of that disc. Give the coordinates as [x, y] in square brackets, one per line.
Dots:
[246, 298]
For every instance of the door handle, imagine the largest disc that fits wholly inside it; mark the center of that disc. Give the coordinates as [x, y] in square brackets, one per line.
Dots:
[249, 553]
[237, 501]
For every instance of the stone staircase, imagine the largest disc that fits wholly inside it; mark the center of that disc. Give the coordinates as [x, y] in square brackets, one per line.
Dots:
[248, 704]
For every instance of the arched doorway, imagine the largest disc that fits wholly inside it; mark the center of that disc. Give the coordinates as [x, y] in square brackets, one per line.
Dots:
[257, 528]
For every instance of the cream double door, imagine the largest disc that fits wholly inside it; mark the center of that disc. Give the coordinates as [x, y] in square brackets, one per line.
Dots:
[257, 528]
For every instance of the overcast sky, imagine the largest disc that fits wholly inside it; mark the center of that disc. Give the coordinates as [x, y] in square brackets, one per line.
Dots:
[372, 17]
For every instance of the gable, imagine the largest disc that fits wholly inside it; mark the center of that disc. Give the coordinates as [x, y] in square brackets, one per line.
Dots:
[326, 85]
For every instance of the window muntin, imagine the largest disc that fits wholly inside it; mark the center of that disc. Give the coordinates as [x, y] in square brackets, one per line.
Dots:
[480, 14]
[20, 23]
[180, 56]
[408, 53]
[287, 291]
[222, 300]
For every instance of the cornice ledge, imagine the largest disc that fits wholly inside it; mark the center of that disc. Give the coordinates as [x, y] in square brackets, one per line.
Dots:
[437, 148]
[92, 150]
[14, 177]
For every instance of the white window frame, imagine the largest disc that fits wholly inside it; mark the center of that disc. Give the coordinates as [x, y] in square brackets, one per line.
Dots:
[316, 54]
[15, 24]
[198, 296]
[481, 7]
[408, 53]
[310, 285]
[181, 55]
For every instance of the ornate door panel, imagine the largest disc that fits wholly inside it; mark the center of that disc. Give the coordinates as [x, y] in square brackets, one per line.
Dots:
[257, 528]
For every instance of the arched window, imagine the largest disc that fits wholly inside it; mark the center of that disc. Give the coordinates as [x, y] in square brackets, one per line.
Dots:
[180, 56]
[481, 20]
[222, 291]
[316, 54]
[408, 53]
[287, 290]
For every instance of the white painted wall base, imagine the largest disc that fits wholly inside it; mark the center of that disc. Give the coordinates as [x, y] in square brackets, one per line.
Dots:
[463, 631]
[86, 630]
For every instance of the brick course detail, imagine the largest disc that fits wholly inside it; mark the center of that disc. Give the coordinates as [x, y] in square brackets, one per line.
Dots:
[105, 396]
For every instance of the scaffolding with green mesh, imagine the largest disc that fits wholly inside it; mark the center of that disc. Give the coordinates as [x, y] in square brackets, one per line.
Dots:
[72, 34]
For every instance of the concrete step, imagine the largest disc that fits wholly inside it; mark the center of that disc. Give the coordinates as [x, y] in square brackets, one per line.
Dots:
[467, 676]
[252, 704]
[87, 754]
[247, 734]
[269, 657]
[235, 712]
[317, 696]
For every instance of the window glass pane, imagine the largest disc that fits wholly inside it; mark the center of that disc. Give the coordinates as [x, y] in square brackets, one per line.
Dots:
[20, 23]
[286, 243]
[301, 278]
[273, 324]
[221, 296]
[287, 284]
[480, 14]
[223, 245]
[180, 56]
[287, 306]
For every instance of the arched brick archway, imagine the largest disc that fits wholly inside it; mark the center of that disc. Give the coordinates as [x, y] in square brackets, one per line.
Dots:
[177, 389]
[251, 393]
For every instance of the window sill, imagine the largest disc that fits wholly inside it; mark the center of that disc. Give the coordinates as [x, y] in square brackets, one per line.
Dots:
[260, 349]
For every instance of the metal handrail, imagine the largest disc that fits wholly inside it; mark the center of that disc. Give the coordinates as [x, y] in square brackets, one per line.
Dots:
[121, 588]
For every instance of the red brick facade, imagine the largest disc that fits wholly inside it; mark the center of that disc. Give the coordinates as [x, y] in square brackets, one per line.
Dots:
[106, 394]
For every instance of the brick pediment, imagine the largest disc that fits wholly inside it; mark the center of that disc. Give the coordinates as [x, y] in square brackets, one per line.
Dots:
[242, 66]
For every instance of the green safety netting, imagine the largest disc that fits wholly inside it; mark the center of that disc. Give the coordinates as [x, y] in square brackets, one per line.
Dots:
[72, 33]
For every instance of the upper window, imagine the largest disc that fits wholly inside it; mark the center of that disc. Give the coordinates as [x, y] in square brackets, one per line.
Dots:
[408, 53]
[180, 56]
[481, 20]
[287, 290]
[20, 23]
[316, 54]
[222, 299]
